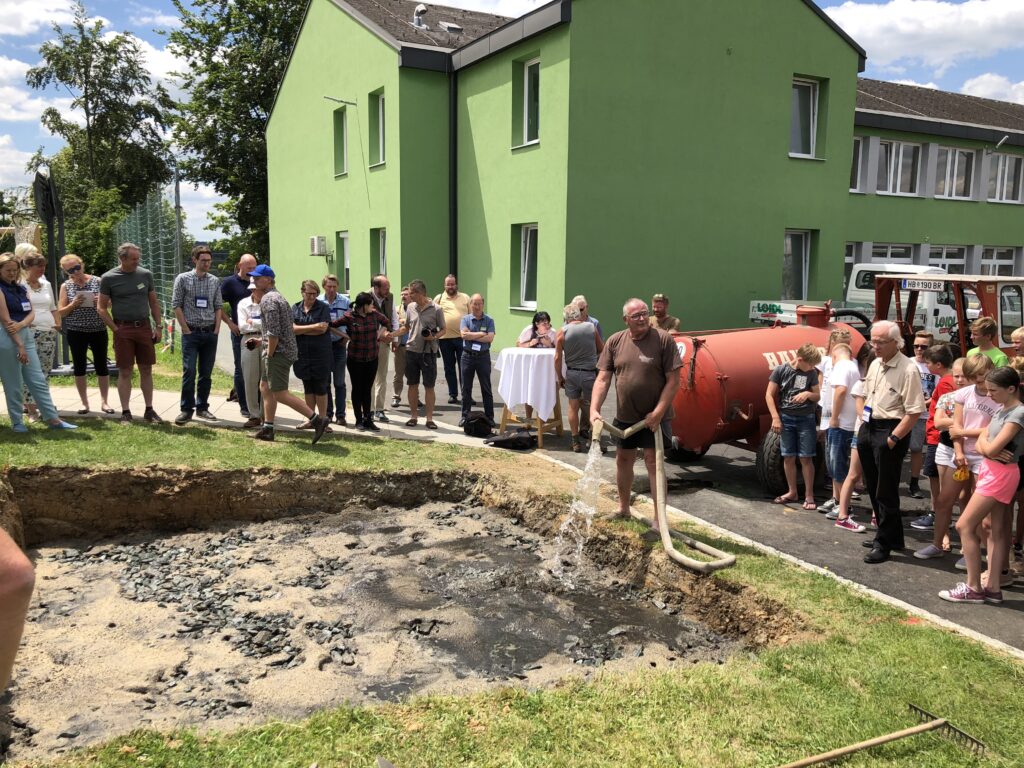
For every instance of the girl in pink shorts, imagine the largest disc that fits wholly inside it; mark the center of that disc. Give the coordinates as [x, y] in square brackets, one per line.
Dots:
[1001, 445]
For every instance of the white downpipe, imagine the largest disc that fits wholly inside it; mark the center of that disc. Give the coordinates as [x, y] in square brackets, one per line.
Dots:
[722, 559]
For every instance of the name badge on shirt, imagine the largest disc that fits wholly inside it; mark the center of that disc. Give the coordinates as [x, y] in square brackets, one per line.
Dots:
[141, 286]
[254, 315]
[867, 414]
[202, 302]
[26, 306]
[475, 347]
[335, 314]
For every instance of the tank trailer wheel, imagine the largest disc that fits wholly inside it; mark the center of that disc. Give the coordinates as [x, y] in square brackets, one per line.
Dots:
[768, 466]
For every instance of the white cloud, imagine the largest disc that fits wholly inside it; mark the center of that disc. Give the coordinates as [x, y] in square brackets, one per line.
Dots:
[21, 103]
[196, 203]
[12, 163]
[990, 86]
[26, 17]
[154, 18]
[935, 33]
[932, 86]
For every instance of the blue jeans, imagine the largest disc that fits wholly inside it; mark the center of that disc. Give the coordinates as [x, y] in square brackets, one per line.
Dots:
[476, 364]
[236, 350]
[451, 354]
[198, 354]
[14, 374]
[339, 357]
[799, 435]
[837, 456]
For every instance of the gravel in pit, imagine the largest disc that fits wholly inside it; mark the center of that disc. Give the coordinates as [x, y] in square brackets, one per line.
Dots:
[240, 625]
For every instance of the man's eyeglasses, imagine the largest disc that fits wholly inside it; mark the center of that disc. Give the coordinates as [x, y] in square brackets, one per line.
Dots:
[639, 315]
[72, 270]
[920, 346]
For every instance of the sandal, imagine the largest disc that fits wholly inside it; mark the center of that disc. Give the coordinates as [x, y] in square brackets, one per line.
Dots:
[784, 499]
[105, 409]
[431, 425]
[82, 411]
[412, 422]
[307, 424]
[810, 504]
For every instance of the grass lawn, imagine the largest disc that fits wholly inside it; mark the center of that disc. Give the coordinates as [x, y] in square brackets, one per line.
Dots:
[166, 373]
[849, 678]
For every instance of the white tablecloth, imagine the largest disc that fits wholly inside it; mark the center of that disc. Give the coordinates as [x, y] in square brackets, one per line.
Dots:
[528, 377]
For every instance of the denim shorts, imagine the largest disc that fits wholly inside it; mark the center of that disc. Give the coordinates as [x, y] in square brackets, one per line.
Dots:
[837, 458]
[799, 435]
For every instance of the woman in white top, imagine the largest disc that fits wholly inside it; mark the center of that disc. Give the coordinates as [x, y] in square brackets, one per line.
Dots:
[46, 324]
[250, 326]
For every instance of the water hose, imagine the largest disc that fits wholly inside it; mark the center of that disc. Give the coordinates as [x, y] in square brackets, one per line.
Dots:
[722, 559]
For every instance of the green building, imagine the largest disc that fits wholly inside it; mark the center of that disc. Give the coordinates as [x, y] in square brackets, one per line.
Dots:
[714, 150]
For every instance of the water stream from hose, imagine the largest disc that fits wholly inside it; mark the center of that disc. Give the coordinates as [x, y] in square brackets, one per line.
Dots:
[575, 528]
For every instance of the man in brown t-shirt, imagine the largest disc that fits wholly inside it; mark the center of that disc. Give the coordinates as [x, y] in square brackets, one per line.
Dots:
[644, 361]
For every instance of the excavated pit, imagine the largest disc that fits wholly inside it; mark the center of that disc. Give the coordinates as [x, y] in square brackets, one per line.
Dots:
[173, 598]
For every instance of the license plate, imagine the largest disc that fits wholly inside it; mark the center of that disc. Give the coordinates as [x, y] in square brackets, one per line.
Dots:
[922, 285]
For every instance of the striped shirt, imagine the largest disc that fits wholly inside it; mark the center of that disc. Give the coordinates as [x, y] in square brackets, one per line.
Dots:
[84, 319]
[197, 297]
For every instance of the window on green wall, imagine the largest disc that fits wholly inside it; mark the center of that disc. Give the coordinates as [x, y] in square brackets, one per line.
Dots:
[341, 248]
[899, 166]
[527, 263]
[376, 128]
[952, 258]
[858, 149]
[803, 126]
[997, 261]
[796, 265]
[340, 142]
[1004, 179]
[526, 102]
[379, 251]
[954, 173]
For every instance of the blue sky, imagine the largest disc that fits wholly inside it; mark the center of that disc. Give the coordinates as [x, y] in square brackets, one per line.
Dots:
[964, 46]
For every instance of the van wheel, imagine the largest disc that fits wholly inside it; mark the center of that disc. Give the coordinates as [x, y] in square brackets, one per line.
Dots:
[770, 472]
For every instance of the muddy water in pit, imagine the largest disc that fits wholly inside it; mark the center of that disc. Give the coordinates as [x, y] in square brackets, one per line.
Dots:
[227, 627]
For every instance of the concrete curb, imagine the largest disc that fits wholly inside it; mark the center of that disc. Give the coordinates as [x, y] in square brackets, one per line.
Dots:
[990, 642]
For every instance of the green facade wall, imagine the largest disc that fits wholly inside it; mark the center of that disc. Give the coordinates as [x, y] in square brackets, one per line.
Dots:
[679, 175]
[501, 186]
[407, 194]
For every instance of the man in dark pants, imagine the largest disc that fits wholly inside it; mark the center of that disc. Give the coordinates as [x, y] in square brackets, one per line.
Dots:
[233, 289]
[455, 306]
[894, 404]
[477, 335]
[198, 306]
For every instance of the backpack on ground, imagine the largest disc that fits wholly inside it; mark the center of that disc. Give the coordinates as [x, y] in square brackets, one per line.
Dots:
[477, 425]
[518, 440]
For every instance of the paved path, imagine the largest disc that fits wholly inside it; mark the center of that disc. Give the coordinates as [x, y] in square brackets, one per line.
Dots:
[720, 489]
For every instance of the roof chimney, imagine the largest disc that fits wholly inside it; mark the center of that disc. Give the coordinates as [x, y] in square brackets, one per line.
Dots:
[451, 27]
[417, 16]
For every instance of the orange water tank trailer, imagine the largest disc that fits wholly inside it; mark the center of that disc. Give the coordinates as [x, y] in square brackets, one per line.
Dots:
[721, 397]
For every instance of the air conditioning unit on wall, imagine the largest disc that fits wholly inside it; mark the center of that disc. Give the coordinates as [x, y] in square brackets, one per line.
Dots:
[317, 245]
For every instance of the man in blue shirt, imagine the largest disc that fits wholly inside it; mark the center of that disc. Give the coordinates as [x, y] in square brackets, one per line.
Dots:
[339, 304]
[477, 335]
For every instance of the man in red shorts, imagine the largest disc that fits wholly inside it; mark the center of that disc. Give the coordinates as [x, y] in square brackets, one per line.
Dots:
[127, 301]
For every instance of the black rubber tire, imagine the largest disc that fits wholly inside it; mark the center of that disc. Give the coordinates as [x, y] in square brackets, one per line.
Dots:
[769, 470]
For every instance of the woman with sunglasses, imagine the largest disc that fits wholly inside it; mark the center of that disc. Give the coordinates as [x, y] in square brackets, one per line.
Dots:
[19, 363]
[311, 318]
[46, 325]
[83, 328]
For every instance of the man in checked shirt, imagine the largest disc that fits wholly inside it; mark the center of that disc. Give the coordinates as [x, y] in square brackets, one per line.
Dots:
[198, 306]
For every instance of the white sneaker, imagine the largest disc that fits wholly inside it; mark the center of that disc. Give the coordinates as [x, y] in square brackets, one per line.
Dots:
[829, 505]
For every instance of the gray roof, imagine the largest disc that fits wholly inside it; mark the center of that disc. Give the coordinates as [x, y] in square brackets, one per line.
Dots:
[931, 104]
[394, 18]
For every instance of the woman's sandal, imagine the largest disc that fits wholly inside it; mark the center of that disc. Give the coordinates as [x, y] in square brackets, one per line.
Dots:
[785, 499]
[810, 504]
[82, 411]
[412, 422]
[105, 409]
[307, 424]
[430, 425]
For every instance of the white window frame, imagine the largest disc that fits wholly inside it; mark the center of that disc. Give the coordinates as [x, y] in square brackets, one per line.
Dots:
[947, 175]
[991, 261]
[849, 259]
[382, 250]
[887, 257]
[895, 175]
[814, 86]
[346, 282]
[999, 166]
[857, 167]
[947, 258]
[381, 156]
[526, 102]
[344, 143]
[805, 266]
[524, 264]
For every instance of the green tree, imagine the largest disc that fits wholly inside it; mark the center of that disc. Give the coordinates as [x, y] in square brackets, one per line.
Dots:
[236, 52]
[120, 146]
